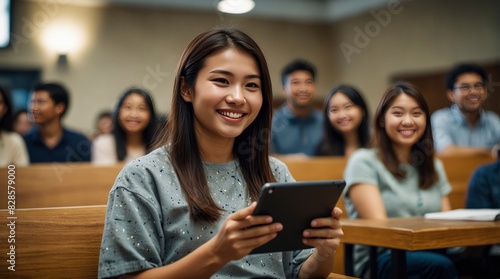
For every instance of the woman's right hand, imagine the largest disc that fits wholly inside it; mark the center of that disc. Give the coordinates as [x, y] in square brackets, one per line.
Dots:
[242, 232]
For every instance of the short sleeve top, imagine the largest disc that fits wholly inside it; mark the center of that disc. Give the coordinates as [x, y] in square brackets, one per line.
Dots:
[401, 197]
[148, 224]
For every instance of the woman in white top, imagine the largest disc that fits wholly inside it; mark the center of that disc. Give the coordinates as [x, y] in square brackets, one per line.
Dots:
[345, 122]
[12, 146]
[134, 120]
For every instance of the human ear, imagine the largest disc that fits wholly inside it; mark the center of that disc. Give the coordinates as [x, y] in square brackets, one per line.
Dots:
[451, 95]
[284, 89]
[185, 91]
[60, 107]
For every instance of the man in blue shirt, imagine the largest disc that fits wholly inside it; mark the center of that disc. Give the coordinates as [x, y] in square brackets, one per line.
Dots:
[297, 126]
[49, 141]
[484, 185]
[465, 128]
[483, 192]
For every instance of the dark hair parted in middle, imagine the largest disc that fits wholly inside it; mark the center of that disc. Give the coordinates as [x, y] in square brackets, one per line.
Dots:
[333, 143]
[250, 147]
[120, 134]
[422, 152]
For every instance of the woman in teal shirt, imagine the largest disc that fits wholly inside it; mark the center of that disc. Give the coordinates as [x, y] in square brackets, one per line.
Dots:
[399, 177]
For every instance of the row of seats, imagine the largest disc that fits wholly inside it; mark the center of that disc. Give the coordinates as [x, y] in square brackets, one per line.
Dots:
[52, 240]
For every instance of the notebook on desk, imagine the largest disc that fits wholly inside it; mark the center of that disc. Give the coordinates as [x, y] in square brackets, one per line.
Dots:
[480, 214]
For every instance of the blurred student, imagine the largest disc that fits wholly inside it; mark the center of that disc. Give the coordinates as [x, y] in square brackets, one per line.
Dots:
[345, 122]
[48, 140]
[481, 262]
[185, 209]
[297, 125]
[12, 147]
[21, 123]
[134, 125]
[399, 177]
[103, 124]
[465, 128]
[484, 185]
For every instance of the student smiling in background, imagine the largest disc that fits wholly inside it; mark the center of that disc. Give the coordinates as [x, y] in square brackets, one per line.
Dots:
[345, 122]
[399, 177]
[134, 125]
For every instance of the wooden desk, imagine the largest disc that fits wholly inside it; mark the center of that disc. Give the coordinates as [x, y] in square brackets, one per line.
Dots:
[412, 234]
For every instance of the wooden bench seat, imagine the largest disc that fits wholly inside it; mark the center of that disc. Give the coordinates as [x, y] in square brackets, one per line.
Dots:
[57, 242]
[459, 169]
[57, 185]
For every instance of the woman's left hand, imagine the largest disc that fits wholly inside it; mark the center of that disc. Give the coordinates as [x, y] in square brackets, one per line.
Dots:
[325, 233]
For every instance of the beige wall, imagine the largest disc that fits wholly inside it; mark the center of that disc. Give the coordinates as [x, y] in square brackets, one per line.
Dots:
[423, 35]
[123, 46]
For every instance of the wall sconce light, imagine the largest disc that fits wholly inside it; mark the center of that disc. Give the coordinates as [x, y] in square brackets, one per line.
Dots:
[63, 39]
[62, 61]
[235, 6]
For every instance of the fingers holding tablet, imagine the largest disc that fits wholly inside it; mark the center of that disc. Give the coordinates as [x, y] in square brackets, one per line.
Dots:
[325, 233]
[242, 232]
[297, 205]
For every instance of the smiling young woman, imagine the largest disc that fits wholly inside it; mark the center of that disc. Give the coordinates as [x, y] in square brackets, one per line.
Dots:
[399, 177]
[134, 125]
[345, 122]
[185, 209]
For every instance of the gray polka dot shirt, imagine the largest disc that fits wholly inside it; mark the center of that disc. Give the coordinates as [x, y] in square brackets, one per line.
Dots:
[147, 220]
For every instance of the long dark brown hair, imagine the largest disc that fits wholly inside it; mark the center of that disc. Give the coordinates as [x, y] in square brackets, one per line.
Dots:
[422, 152]
[119, 132]
[6, 120]
[250, 147]
[333, 142]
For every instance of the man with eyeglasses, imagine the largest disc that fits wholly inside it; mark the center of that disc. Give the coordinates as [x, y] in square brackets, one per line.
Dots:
[465, 128]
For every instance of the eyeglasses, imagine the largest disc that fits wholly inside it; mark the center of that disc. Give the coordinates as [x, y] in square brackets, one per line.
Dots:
[467, 88]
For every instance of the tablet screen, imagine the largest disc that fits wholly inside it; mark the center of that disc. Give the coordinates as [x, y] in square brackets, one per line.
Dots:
[295, 205]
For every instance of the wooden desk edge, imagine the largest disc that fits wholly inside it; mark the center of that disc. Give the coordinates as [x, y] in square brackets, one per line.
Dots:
[408, 237]
[339, 276]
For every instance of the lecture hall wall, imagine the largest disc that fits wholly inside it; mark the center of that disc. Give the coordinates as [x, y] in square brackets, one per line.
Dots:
[120, 46]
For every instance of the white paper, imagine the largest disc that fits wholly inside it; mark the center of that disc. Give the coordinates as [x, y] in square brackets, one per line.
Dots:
[482, 214]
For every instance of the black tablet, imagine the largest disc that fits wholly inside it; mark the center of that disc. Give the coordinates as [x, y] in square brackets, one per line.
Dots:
[295, 205]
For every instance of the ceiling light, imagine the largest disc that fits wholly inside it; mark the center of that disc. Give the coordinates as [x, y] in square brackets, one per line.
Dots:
[236, 6]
